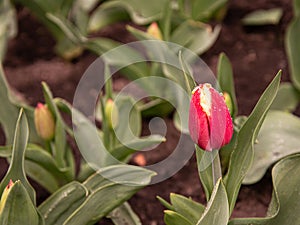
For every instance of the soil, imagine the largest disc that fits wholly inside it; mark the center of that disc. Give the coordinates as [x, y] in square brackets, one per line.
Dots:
[257, 53]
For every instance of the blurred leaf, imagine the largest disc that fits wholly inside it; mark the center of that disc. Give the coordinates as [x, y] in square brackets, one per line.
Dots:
[226, 81]
[242, 155]
[205, 9]
[124, 215]
[287, 98]
[296, 7]
[284, 206]
[107, 16]
[19, 208]
[292, 47]
[8, 26]
[60, 205]
[196, 36]
[16, 169]
[140, 11]
[217, 209]
[263, 17]
[278, 137]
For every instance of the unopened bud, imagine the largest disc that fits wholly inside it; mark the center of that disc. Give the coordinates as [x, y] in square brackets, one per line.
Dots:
[111, 114]
[228, 102]
[5, 194]
[154, 31]
[44, 122]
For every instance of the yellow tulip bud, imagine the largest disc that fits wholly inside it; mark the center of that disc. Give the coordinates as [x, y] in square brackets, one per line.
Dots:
[154, 31]
[111, 114]
[44, 122]
[228, 102]
[5, 194]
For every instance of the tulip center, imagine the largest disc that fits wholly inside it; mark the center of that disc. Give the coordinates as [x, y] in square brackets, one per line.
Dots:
[205, 98]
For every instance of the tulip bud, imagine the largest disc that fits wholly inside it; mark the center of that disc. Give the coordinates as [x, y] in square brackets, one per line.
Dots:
[210, 123]
[111, 114]
[228, 102]
[154, 31]
[5, 194]
[44, 122]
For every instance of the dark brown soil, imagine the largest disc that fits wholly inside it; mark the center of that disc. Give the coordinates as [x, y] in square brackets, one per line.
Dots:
[257, 53]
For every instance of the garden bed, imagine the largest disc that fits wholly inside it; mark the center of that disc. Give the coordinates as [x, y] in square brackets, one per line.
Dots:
[256, 53]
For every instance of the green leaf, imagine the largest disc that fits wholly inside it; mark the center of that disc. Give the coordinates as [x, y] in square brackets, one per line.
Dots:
[16, 169]
[242, 155]
[19, 208]
[60, 205]
[263, 17]
[196, 36]
[111, 188]
[278, 137]
[284, 206]
[217, 209]
[187, 207]
[174, 218]
[141, 11]
[124, 215]
[287, 98]
[205, 9]
[226, 81]
[292, 47]
[10, 114]
[107, 16]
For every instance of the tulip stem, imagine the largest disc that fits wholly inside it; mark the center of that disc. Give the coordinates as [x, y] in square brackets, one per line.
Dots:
[216, 167]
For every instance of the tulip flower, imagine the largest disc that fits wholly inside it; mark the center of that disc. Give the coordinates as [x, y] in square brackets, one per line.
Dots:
[44, 122]
[210, 123]
[5, 194]
[154, 31]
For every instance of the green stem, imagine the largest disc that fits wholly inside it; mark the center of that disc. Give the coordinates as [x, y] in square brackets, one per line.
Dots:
[216, 167]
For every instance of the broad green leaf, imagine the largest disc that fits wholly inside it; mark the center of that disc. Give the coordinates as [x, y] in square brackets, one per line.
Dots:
[187, 207]
[121, 174]
[287, 98]
[104, 17]
[140, 11]
[174, 218]
[19, 208]
[60, 205]
[217, 209]
[16, 169]
[292, 47]
[242, 155]
[124, 215]
[8, 116]
[277, 138]
[263, 17]
[196, 36]
[226, 82]
[106, 194]
[284, 206]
